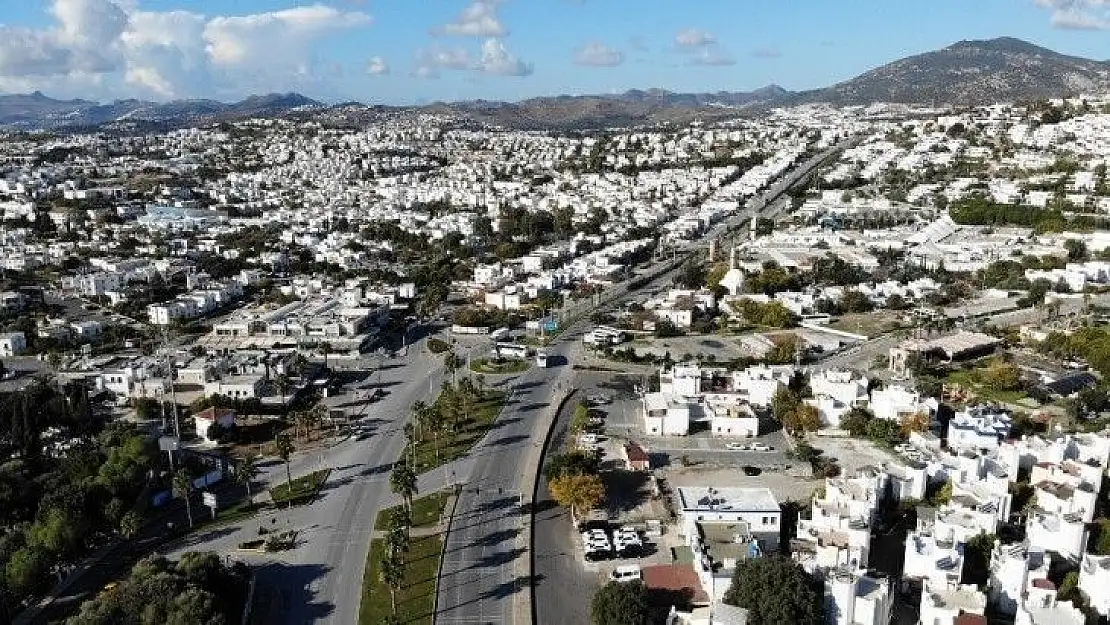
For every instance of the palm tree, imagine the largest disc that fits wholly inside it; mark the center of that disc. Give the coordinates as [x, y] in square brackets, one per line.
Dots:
[434, 421]
[300, 362]
[403, 482]
[318, 414]
[397, 532]
[283, 384]
[451, 362]
[325, 349]
[419, 416]
[183, 487]
[245, 471]
[284, 448]
[410, 440]
[481, 379]
[393, 574]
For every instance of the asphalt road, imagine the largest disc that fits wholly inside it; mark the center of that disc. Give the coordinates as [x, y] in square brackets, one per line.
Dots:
[320, 581]
[486, 574]
[563, 586]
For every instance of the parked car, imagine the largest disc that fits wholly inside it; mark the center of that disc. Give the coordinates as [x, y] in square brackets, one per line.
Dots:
[761, 447]
[737, 446]
[629, 573]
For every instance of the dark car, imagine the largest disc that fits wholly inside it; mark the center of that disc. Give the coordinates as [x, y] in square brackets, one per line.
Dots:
[598, 555]
[586, 526]
[751, 471]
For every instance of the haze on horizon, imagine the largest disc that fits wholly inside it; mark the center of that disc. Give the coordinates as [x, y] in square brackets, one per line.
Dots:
[397, 52]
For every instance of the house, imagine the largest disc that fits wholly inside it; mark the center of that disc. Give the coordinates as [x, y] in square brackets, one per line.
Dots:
[635, 457]
[952, 605]
[857, 598]
[12, 344]
[665, 415]
[208, 417]
[755, 508]
[978, 427]
[895, 402]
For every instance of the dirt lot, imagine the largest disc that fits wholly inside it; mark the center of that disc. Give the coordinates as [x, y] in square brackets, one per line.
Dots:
[785, 487]
[851, 453]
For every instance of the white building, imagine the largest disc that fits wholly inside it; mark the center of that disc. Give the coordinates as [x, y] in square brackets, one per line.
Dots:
[1013, 567]
[755, 508]
[896, 402]
[944, 604]
[978, 428]
[855, 598]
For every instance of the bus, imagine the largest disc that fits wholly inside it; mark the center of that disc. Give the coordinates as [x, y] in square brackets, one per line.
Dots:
[511, 350]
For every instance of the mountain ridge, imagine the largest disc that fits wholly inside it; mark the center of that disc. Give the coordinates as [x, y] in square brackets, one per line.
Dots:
[966, 72]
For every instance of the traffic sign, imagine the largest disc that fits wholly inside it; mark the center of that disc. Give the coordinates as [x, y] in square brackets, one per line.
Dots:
[209, 499]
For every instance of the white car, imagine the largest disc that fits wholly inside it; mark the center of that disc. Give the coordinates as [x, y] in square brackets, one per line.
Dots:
[737, 446]
[625, 574]
[760, 447]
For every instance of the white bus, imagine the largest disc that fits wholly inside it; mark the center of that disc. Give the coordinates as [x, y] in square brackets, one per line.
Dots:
[511, 350]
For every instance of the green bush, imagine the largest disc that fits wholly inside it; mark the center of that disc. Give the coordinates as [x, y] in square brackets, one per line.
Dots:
[438, 346]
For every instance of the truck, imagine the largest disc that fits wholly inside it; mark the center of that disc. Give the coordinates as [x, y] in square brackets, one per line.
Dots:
[541, 359]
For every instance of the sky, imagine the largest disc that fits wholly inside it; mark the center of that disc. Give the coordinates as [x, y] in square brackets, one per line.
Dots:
[416, 51]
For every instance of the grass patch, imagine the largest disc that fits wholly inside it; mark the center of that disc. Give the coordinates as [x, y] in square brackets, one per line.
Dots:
[416, 597]
[426, 511]
[302, 489]
[507, 366]
[456, 444]
[968, 380]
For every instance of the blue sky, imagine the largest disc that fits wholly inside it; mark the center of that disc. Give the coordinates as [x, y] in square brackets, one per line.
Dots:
[401, 51]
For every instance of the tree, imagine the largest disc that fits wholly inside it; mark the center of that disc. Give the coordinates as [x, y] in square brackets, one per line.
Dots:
[452, 362]
[620, 603]
[398, 525]
[245, 471]
[575, 462]
[856, 421]
[802, 419]
[283, 446]
[1001, 376]
[183, 487]
[130, 525]
[885, 431]
[1077, 250]
[402, 481]
[1100, 543]
[283, 384]
[916, 422]
[854, 301]
[776, 590]
[579, 493]
[783, 402]
[393, 575]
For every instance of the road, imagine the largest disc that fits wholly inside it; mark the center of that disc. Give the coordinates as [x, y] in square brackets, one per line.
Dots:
[320, 581]
[486, 572]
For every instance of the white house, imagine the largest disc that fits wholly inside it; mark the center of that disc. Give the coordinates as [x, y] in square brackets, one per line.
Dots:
[978, 427]
[1012, 568]
[1065, 535]
[944, 604]
[895, 402]
[855, 598]
[666, 415]
[205, 419]
[756, 508]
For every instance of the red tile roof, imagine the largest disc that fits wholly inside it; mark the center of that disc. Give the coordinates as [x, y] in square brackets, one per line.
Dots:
[215, 414]
[676, 578]
[636, 453]
[1044, 584]
[970, 619]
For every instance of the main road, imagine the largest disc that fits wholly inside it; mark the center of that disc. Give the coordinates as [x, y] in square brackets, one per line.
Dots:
[320, 581]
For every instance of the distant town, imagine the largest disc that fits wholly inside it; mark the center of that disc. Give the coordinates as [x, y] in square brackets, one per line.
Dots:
[825, 364]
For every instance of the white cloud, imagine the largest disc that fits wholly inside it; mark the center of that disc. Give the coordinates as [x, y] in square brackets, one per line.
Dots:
[377, 66]
[496, 59]
[116, 49]
[478, 19]
[1078, 14]
[694, 38]
[597, 54]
